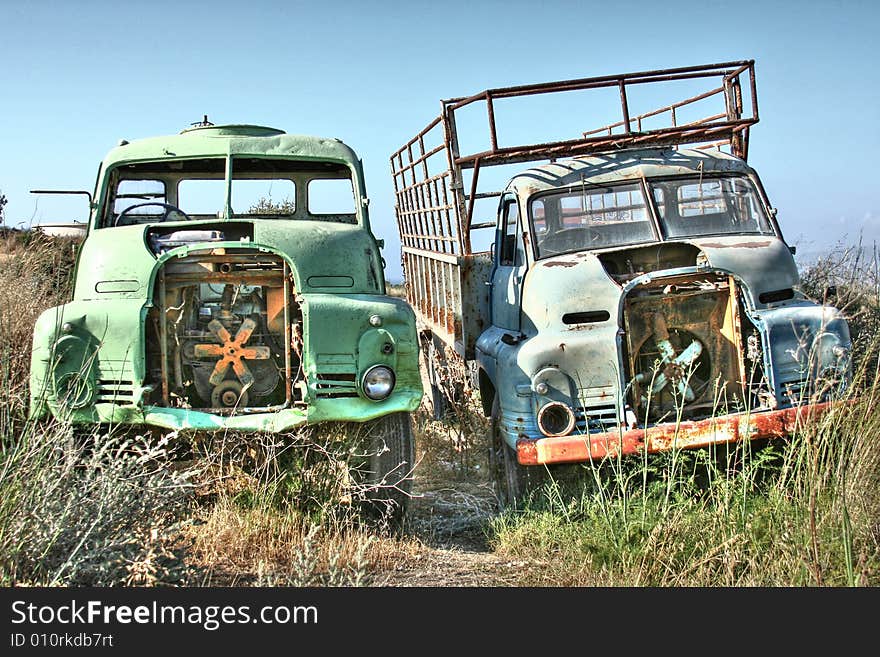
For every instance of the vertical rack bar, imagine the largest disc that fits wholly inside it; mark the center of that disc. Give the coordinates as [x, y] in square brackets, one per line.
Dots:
[625, 106]
[754, 91]
[470, 212]
[457, 186]
[490, 110]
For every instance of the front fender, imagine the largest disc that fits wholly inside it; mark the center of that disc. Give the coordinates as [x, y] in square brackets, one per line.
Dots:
[63, 373]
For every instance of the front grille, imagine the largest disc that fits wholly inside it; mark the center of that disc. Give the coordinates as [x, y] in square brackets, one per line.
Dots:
[812, 391]
[593, 419]
[114, 392]
[336, 385]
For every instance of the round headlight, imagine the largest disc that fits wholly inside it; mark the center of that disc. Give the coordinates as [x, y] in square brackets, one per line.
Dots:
[556, 419]
[73, 390]
[378, 382]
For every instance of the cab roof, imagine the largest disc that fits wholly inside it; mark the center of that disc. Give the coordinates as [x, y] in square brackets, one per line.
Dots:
[632, 164]
[237, 139]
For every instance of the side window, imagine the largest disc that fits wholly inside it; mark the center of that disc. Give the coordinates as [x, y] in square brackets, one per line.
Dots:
[510, 218]
[539, 216]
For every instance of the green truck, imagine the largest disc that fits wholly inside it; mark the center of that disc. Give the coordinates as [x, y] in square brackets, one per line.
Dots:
[229, 280]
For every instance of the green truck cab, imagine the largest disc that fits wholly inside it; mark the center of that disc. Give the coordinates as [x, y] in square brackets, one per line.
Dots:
[229, 280]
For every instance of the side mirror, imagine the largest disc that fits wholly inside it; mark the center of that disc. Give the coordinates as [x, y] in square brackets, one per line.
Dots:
[830, 294]
[792, 250]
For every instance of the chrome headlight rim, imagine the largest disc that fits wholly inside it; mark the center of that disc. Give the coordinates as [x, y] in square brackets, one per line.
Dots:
[366, 384]
[545, 414]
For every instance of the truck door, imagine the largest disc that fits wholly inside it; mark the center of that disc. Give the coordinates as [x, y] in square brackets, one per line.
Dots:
[509, 269]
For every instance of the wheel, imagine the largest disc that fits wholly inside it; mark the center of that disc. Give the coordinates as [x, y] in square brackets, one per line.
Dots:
[438, 399]
[388, 475]
[514, 483]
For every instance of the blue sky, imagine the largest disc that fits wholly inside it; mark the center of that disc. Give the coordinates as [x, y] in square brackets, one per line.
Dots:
[78, 76]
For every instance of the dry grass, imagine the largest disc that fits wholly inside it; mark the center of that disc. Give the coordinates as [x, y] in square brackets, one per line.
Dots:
[803, 512]
[100, 514]
[270, 546]
[270, 510]
[395, 289]
[136, 509]
[35, 273]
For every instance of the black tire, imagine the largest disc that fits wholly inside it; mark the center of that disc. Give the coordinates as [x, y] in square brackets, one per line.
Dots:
[440, 403]
[388, 476]
[514, 483]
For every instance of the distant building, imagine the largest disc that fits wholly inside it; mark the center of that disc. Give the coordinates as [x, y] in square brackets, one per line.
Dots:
[75, 230]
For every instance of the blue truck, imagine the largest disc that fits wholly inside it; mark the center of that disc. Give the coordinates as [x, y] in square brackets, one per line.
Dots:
[637, 293]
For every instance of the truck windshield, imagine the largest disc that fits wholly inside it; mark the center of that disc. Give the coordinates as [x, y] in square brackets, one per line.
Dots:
[599, 217]
[593, 217]
[196, 189]
[691, 207]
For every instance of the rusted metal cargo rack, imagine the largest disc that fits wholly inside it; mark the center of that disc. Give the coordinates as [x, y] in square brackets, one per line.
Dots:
[434, 205]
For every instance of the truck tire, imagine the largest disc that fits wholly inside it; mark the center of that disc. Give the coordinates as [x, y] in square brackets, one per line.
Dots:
[388, 474]
[514, 483]
[439, 403]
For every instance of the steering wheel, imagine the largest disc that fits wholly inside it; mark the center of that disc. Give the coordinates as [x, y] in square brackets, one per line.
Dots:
[169, 210]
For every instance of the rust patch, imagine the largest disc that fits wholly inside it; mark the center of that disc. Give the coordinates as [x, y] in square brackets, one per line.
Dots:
[659, 438]
[526, 452]
[560, 263]
[275, 309]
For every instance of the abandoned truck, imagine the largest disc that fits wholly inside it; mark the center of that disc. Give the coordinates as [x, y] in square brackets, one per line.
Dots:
[230, 280]
[637, 294]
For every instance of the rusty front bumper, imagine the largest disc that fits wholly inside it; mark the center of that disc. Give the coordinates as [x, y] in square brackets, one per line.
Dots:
[663, 437]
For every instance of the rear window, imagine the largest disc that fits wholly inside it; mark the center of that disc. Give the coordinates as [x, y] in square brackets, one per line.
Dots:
[201, 196]
[270, 197]
[331, 196]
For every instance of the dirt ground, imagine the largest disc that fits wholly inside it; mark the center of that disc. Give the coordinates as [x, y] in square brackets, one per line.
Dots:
[448, 517]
